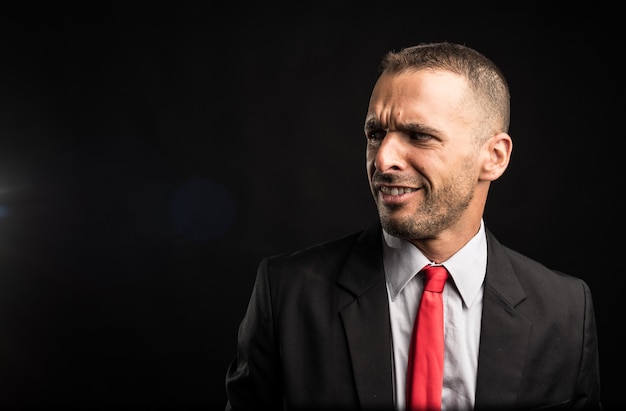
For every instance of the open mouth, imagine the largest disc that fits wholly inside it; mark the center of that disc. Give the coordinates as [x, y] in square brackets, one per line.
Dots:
[396, 191]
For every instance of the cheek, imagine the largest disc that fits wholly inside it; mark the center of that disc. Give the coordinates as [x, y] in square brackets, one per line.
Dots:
[370, 157]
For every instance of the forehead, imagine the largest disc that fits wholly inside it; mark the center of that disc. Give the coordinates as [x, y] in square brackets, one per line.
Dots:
[416, 96]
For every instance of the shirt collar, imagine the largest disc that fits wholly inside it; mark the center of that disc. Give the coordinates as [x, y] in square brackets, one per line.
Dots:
[467, 267]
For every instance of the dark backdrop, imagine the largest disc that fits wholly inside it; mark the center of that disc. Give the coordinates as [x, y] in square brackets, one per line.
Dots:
[151, 156]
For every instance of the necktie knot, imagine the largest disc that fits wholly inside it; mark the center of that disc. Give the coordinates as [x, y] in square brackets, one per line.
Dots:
[434, 278]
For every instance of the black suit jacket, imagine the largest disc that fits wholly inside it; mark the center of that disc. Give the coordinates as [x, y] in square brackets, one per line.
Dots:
[316, 334]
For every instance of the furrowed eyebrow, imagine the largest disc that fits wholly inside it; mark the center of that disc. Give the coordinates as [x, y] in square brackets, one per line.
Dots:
[371, 124]
[419, 128]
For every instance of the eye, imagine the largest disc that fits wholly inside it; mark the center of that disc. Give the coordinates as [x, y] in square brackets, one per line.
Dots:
[418, 136]
[376, 135]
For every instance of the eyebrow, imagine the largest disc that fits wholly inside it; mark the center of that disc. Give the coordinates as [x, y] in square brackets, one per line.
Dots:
[419, 128]
[373, 124]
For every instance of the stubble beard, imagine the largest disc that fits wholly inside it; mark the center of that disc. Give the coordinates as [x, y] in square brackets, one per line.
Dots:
[438, 211]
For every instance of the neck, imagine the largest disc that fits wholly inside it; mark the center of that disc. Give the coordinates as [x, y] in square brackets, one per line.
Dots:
[440, 248]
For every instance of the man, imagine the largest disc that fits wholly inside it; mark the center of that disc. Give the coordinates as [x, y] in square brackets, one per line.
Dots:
[330, 327]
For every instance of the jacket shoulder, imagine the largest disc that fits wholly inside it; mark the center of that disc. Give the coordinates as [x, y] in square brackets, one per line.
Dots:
[523, 264]
[325, 258]
[507, 267]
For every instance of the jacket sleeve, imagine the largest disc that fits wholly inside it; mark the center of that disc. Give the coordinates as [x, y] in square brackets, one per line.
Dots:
[587, 395]
[253, 378]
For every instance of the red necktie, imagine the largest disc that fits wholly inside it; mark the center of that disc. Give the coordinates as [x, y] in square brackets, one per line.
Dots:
[424, 378]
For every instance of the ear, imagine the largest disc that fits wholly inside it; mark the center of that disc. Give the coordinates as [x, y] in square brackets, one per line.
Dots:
[497, 152]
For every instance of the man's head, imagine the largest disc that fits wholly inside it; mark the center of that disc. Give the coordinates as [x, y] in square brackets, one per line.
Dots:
[436, 131]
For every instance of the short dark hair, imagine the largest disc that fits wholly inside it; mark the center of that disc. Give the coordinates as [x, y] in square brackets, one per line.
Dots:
[485, 79]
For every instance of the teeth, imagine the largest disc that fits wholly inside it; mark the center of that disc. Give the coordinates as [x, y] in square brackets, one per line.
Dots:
[394, 191]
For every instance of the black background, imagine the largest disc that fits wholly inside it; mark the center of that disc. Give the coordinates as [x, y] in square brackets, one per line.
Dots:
[150, 156]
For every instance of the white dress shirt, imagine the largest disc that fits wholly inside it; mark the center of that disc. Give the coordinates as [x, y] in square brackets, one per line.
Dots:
[463, 300]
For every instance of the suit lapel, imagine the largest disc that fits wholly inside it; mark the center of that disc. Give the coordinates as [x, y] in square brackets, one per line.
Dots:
[365, 314]
[504, 333]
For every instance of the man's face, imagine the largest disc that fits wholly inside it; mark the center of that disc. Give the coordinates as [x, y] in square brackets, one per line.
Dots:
[422, 161]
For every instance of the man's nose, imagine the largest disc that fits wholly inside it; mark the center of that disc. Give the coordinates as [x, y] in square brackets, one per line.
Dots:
[390, 154]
